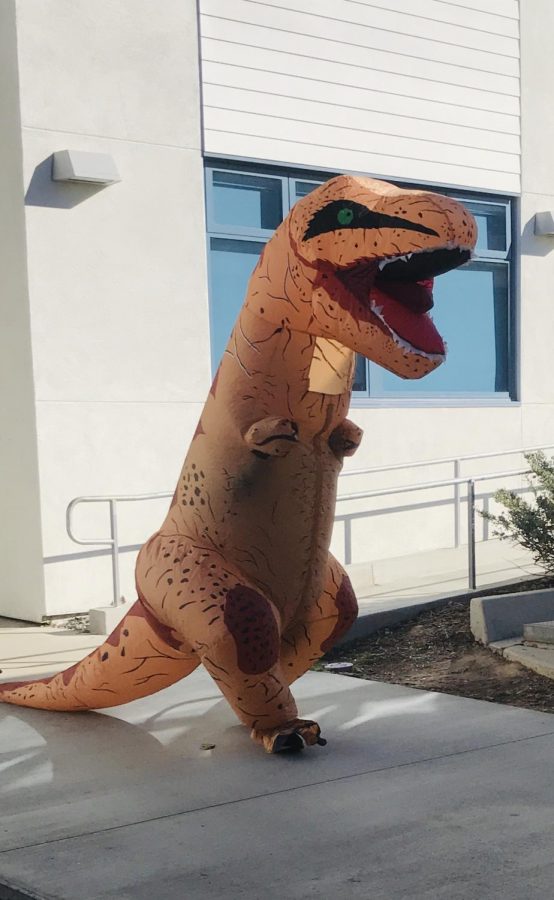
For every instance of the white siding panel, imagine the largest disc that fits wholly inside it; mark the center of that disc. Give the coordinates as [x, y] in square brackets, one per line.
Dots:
[340, 160]
[442, 11]
[369, 85]
[251, 12]
[356, 55]
[346, 74]
[326, 113]
[381, 19]
[363, 99]
[337, 136]
[507, 8]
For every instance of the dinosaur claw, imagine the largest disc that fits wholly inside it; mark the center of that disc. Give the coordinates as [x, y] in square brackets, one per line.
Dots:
[287, 743]
[289, 738]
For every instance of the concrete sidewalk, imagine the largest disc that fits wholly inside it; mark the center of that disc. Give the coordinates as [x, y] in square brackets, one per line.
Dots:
[34, 652]
[417, 795]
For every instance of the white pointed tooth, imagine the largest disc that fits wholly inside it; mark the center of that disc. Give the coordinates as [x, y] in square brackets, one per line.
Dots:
[404, 258]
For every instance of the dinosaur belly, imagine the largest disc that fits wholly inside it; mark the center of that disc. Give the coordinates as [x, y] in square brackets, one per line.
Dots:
[281, 538]
[270, 518]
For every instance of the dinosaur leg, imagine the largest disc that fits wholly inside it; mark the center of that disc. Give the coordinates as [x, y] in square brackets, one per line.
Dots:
[319, 625]
[235, 630]
[140, 657]
[244, 663]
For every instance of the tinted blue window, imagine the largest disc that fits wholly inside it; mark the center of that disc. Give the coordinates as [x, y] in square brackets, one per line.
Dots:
[231, 264]
[247, 201]
[491, 225]
[471, 314]
[360, 375]
[301, 188]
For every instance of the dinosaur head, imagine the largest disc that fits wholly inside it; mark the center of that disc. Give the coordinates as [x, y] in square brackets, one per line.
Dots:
[369, 252]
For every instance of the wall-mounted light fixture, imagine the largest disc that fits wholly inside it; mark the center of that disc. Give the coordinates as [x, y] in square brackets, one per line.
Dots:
[544, 223]
[80, 166]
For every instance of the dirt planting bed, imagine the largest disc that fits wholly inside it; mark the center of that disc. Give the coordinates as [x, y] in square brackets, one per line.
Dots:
[436, 651]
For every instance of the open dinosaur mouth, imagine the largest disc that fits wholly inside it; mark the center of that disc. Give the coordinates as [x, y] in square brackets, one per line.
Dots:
[399, 292]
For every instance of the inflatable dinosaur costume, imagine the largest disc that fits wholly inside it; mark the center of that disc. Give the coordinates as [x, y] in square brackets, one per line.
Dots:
[239, 577]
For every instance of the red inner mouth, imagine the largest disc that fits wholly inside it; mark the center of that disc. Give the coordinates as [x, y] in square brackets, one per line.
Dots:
[403, 290]
[404, 308]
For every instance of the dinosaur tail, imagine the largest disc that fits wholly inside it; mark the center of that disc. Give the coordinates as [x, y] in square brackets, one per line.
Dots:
[140, 657]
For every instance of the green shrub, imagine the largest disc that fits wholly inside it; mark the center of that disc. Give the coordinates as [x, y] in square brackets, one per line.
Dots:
[530, 524]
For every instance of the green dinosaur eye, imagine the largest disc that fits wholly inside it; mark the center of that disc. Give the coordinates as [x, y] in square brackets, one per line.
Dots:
[345, 216]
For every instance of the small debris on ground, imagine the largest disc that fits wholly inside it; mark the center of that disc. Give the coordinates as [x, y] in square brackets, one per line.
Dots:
[207, 746]
[77, 624]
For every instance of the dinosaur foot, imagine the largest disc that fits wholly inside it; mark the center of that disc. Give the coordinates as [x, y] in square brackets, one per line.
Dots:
[290, 738]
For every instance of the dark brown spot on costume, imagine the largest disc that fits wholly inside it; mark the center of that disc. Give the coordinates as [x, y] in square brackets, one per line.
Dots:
[347, 608]
[250, 620]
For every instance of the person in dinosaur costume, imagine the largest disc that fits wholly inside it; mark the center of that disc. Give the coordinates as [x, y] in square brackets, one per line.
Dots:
[239, 576]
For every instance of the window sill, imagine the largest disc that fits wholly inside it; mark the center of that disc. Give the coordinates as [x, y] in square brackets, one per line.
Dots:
[432, 402]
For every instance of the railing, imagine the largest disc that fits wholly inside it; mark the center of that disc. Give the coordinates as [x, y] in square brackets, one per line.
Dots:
[427, 485]
[113, 540]
[457, 474]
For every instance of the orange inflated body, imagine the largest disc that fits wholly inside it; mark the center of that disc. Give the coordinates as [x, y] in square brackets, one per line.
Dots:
[239, 576]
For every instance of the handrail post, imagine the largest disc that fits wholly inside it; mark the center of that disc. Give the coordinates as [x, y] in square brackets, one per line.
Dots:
[347, 541]
[457, 529]
[472, 569]
[115, 553]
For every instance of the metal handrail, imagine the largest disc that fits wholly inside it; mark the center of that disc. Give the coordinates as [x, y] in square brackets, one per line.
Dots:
[113, 540]
[424, 485]
[457, 462]
[113, 500]
[443, 460]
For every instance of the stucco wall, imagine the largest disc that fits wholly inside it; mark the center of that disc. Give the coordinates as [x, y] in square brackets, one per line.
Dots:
[21, 584]
[117, 275]
[537, 253]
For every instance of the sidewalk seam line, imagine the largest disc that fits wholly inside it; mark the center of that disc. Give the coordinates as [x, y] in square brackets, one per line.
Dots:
[299, 787]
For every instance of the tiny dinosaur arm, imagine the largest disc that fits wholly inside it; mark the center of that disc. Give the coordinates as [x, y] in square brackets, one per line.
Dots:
[345, 439]
[273, 436]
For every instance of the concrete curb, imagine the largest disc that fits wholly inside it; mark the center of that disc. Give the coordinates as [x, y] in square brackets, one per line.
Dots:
[542, 632]
[539, 658]
[501, 617]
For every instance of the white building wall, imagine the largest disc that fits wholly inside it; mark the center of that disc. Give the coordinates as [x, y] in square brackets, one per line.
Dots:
[426, 92]
[117, 275]
[21, 584]
[537, 253]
